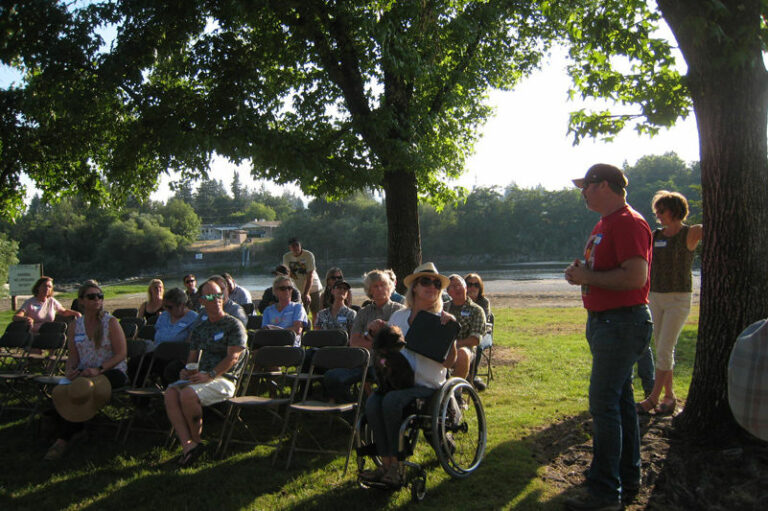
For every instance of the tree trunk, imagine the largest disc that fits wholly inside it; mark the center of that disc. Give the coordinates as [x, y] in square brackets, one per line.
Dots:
[403, 233]
[728, 85]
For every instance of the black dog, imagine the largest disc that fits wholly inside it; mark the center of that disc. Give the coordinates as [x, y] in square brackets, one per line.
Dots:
[393, 372]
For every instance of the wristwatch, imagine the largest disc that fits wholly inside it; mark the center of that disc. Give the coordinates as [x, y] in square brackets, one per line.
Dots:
[212, 374]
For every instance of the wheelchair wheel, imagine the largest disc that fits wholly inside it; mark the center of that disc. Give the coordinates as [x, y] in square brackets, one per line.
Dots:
[459, 431]
[364, 444]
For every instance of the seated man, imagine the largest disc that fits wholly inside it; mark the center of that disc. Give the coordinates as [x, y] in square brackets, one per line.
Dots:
[221, 339]
[471, 318]
[378, 286]
[237, 293]
[269, 297]
[230, 307]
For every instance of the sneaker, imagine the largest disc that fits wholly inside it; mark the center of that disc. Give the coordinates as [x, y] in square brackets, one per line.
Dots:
[479, 384]
[589, 502]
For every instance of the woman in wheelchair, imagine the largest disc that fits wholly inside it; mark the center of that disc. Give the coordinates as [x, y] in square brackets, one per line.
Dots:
[384, 412]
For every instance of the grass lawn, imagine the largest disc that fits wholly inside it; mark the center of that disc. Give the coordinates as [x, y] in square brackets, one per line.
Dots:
[541, 378]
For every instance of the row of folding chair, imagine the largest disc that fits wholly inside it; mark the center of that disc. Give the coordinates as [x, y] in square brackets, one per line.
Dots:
[28, 358]
[279, 402]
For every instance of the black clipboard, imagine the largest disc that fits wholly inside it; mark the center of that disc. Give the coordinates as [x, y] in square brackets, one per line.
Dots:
[427, 337]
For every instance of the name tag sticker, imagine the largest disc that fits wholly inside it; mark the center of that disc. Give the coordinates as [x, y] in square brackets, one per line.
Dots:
[183, 325]
[465, 314]
[218, 336]
[660, 243]
[342, 319]
[79, 337]
[598, 239]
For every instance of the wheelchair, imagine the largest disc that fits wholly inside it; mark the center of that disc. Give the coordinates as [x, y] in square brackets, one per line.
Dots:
[452, 420]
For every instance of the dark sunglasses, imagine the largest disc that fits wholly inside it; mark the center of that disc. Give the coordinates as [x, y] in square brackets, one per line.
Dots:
[94, 296]
[284, 288]
[335, 277]
[426, 282]
[473, 284]
[189, 280]
[213, 296]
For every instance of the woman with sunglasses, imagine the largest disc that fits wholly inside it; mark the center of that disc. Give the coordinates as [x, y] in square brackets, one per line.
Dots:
[331, 277]
[476, 290]
[338, 315]
[97, 346]
[385, 412]
[285, 314]
[151, 309]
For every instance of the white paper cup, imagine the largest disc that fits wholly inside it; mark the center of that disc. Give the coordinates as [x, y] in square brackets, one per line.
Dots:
[192, 367]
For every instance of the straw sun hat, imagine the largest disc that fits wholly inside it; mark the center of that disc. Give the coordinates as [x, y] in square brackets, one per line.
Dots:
[81, 399]
[426, 270]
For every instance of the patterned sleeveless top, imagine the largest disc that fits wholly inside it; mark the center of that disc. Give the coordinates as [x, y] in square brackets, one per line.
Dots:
[86, 350]
[671, 263]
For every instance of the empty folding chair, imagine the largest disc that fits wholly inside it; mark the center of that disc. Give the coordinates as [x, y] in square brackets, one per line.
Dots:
[315, 339]
[14, 350]
[330, 358]
[254, 322]
[289, 359]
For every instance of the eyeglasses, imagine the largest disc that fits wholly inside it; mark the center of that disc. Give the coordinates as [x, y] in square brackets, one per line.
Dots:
[284, 288]
[426, 282]
[94, 296]
[189, 281]
[473, 284]
[213, 296]
[335, 277]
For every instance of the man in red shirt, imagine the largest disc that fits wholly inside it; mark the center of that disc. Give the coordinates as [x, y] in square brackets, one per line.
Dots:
[615, 280]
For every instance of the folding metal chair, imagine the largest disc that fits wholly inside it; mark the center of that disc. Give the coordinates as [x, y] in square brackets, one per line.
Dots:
[254, 322]
[315, 339]
[248, 308]
[125, 313]
[330, 358]
[289, 359]
[484, 353]
[14, 352]
[147, 393]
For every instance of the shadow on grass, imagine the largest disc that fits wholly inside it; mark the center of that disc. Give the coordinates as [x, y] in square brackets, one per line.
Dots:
[99, 476]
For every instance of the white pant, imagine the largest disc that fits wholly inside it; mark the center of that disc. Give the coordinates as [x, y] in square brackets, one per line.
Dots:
[669, 312]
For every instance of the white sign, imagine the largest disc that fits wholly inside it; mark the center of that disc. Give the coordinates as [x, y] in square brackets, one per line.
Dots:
[199, 256]
[21, 278]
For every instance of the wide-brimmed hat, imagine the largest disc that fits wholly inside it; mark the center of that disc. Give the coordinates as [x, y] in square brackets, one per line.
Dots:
[426, 270]
[81, 399]
[602, 172]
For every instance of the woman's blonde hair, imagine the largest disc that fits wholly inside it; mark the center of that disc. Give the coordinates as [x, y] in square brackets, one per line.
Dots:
[152, 283]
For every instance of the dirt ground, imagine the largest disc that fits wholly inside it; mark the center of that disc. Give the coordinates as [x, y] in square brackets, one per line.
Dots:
[677, 474]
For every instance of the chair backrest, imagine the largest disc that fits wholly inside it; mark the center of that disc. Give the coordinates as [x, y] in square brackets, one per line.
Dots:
[278, 356]
[51, 336]
[17, 335]
[129, 328]
[259, 338]
[147, 332]
[254, 322]
[171, 351]
[152, 319]
[136, 349]
[126, 313]
[248, 308]
[323, 338]
[340, 357]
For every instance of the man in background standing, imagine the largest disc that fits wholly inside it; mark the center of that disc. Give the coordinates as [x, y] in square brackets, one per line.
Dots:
[301, 264]
[615, 281]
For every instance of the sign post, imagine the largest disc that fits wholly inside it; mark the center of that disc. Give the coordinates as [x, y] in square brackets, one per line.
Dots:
[21, 278]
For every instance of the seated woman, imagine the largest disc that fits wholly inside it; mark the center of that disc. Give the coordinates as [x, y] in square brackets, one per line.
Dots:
[385, 412]
[222, 339]
[331, 277]
[285, 313]
[270, 297]
[96, 347]
[151, 309]
[42, 307]
[338, 316]
[175, 324]
[475, 290]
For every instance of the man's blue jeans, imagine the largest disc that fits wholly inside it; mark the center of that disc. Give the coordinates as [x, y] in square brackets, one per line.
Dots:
[616, 339]
[646, 371]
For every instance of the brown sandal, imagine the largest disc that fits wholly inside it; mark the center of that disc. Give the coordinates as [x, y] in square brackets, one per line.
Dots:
[645, 406]
[667, 407]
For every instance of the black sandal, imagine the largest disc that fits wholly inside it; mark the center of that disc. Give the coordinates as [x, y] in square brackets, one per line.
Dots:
[188, 459]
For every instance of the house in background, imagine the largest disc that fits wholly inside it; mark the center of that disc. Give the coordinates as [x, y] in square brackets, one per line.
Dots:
[238, 234]
[261, 228]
